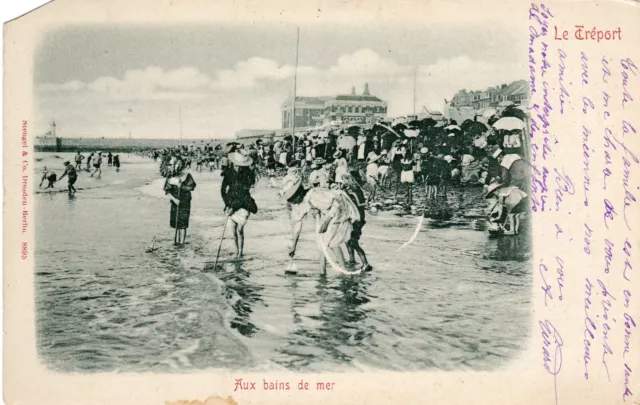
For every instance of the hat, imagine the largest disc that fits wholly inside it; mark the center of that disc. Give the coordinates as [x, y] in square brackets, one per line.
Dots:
[451, 134]
[293, 171]
[372, 157]
[319, 161]
[480, 142]
[384, 152]
[404, 142]
[449, 158]
[240, 159]
[290, 184]
[424, 150]
[496, 153]
[67, 163]
[492, 187]
[337, 154]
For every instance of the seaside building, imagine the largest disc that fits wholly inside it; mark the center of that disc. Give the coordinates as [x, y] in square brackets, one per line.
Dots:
[351, 108]
[465, 104]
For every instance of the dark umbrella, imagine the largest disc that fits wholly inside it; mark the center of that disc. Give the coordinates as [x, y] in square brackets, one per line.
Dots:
[473, 128]
[400, 127]
[514, 112]
[428, 123]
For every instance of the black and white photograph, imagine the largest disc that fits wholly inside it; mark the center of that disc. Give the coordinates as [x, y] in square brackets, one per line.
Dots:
[265, 196]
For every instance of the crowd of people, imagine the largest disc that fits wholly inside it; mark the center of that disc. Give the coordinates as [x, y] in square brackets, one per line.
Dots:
[338, 174]
[71, 171]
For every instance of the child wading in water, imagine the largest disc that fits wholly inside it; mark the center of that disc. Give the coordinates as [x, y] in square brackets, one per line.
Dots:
[354, 191]
[116, 162]
[72, 176]
[49, 176]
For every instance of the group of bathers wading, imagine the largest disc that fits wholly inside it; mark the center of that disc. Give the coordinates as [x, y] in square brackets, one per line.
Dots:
[71, 171]
[339, 212]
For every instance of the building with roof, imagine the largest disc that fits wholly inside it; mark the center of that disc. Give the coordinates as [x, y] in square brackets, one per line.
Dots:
[347, 108]
[465, 104]
[517, 91]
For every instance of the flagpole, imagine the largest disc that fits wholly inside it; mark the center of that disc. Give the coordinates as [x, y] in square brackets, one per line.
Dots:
[180, 124]
[295, 84]
[414, 92]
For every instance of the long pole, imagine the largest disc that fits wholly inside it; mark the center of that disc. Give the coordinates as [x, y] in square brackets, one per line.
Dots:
[224, 228]
[180, 124]
[295, 85]
[414, 92]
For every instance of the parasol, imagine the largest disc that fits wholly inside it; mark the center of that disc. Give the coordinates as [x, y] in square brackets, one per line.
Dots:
[386, 127]
[509, 124]
[346, 142]
[474, 127]
[489, 112]
[429, 122]
[515, 112]
[411, 133]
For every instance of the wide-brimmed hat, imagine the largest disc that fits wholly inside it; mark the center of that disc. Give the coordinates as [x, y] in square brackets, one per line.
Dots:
[290, 184]
[424, 150]
[372, 157]
[239, 158]
[319, 161]
[491, 189]
[449, 158]
[337, 154]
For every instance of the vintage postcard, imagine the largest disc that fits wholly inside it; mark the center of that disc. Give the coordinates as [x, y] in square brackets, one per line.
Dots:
[319, 202]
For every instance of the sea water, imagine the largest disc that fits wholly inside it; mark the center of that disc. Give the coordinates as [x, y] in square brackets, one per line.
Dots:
[452, 299]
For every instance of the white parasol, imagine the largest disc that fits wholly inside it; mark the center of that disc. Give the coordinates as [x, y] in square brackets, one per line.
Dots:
[489, 112]
[411, 133]
[509, 124]
[346, 142]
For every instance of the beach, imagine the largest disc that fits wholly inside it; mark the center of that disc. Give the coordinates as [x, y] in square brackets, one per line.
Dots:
[452, 299]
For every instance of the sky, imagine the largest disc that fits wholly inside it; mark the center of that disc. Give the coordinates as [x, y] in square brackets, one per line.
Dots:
[117, 80]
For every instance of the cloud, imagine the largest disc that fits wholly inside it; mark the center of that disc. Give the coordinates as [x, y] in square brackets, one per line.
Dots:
[256, 73]
[73, 85]
[259, 85]
[251, 72]
[366, 62]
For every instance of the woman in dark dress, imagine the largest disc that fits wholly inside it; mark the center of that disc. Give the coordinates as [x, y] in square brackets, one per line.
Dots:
[178, 186]
[236, 194]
